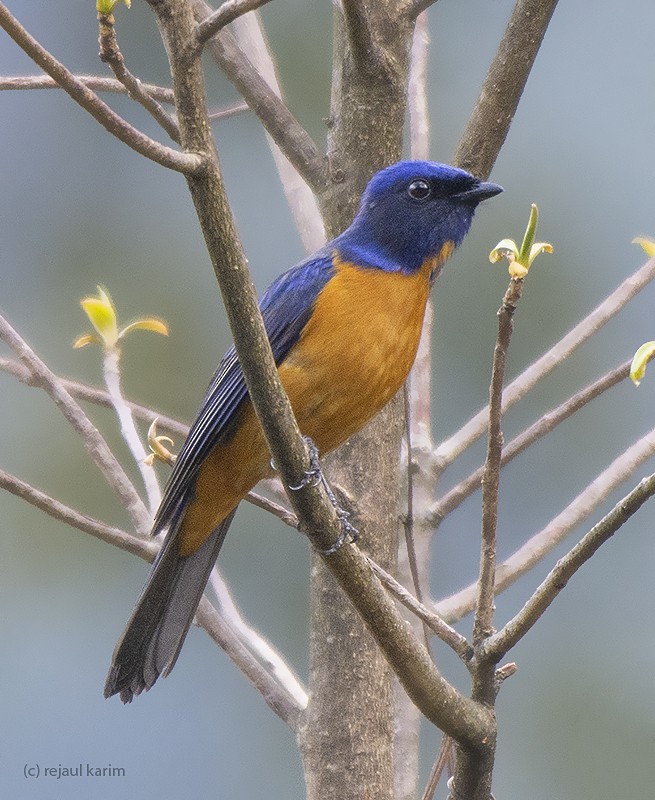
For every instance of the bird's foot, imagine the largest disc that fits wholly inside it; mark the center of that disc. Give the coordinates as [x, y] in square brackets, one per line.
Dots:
[313, 477]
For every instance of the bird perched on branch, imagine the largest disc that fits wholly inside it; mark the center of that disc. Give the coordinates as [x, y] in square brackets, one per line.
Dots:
[344, 326]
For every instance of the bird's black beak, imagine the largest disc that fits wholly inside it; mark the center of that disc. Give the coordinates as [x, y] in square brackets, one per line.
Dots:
[481, 191]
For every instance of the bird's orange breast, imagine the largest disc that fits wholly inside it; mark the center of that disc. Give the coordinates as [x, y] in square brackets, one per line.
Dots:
[356, 351]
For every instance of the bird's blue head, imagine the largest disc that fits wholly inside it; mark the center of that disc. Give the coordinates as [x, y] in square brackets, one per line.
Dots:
[409, 212]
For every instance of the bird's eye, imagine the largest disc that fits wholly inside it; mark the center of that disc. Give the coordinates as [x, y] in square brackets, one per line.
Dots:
[419, 190]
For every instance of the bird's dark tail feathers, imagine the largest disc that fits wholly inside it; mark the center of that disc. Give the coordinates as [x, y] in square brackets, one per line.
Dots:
[154, 635]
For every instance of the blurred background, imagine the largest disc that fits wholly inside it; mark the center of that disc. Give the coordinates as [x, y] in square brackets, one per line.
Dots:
[78, 208]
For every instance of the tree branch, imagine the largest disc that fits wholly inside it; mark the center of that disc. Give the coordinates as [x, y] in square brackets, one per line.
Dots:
[227, 13]
[289, 135]
[302, 202]
[111, 371]
[483, 623]
[94, 82]
[538, 546]
[255, 642]
[498, 645]
[110, 54]
[417, 7]
[417, 99]
[94, 443]
[407, 718]
[445, 632]
[278, 699]
[448, 450]
[113, 86]
[368, 57]
[135, 545]
[100, 397]
[492, 116]
[277, 510]
[548, 422]
[187, 163]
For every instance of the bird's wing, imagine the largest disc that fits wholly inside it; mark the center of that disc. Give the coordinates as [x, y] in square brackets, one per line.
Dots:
[286, 308]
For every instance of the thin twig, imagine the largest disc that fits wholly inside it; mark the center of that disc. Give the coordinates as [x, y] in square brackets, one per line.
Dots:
[440, 764]
[302, 202]
[282, 513]
[94, 443]
[294, 141]
[224, 15]
[500, 643]
[548, 422]
[113, 86]
[94, 82]
[275, 696]
[110, 53]
[503, 86]
[255, 642]
[135, 545]
[451, 448]
[111, 371]
[100, 397]
[538, 546]
[434, 622]
[229, 111]
[417, 98]
[483, 624]
[187, 163]
[408, 523]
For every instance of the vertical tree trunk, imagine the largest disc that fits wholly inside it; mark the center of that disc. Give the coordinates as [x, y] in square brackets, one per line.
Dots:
[347, 738]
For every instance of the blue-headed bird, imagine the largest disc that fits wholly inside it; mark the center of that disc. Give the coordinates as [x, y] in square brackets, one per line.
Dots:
[344, 326]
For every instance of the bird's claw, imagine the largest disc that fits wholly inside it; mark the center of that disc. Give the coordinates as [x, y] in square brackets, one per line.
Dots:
[313, 477]
[348, 530]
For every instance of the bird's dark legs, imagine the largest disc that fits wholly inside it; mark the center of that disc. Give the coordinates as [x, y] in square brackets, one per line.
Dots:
[313, 477]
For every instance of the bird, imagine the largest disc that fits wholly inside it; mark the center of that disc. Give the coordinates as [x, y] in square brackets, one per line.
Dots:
[344, 326]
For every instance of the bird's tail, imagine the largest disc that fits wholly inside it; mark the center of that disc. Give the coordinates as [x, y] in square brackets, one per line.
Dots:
[154, 635]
